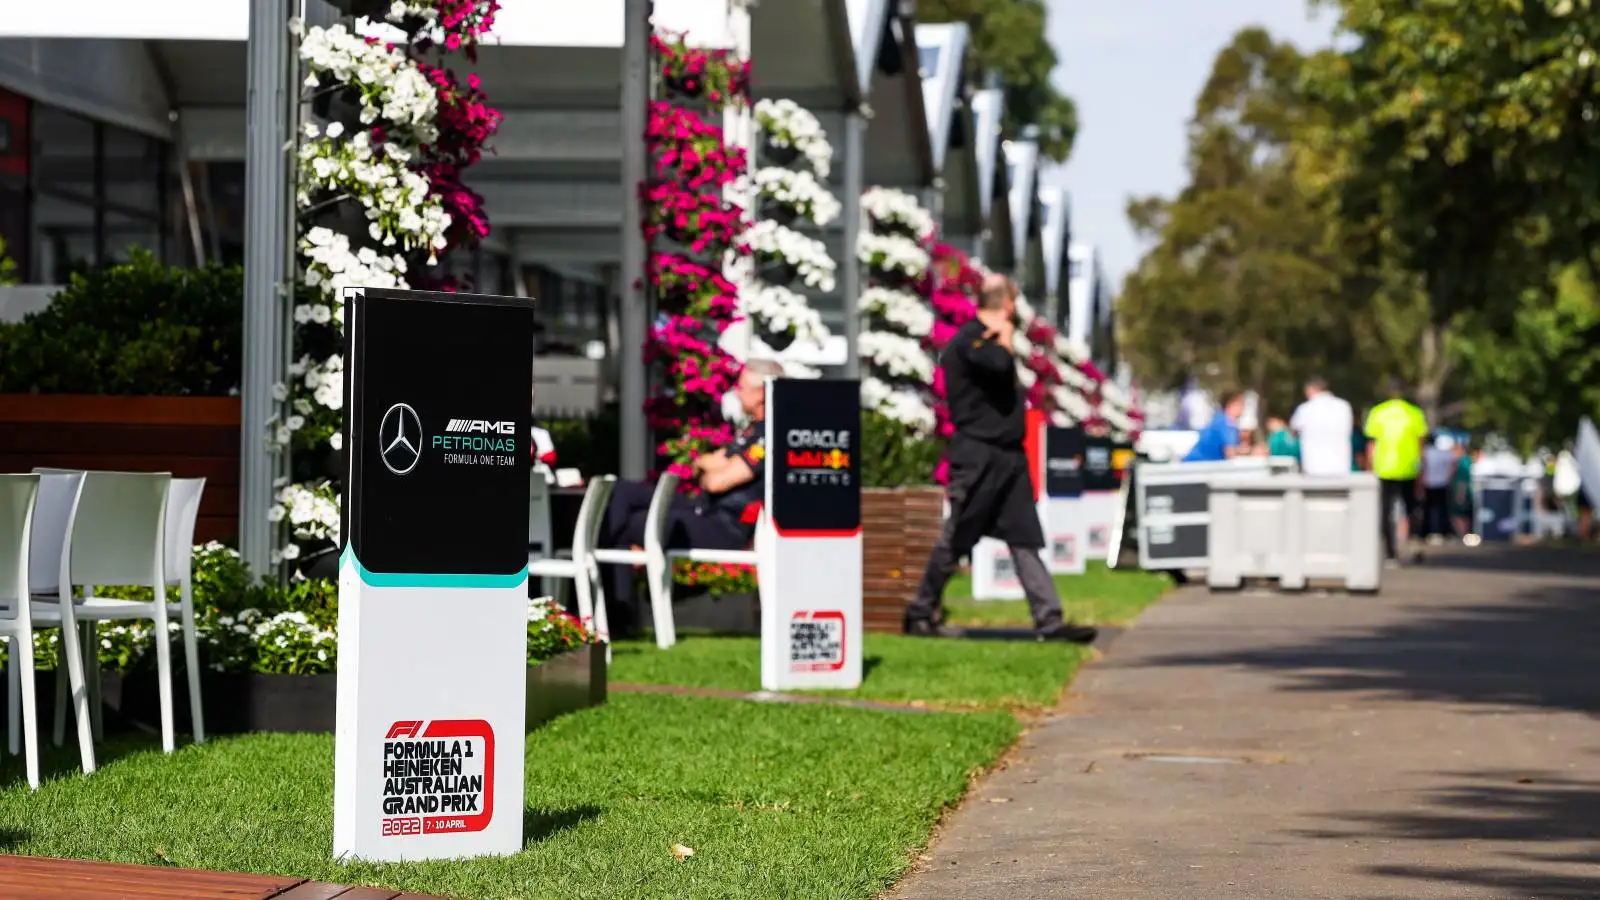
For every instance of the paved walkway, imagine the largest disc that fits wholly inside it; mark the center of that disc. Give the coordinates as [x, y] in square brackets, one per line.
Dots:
[1439, 740]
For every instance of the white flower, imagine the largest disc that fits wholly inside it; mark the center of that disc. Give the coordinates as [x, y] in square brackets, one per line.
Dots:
[900, 404]
[1072, 350]
[400, 205]
[390, 84]
[1025, 311]
[336, 440]
[892, 252]
[905, 310]
[1021, 347]
[792, 369]
[787, 124]
[808, 255]
[798, 190]
[782, 311]
[887, 206]
[899, 356]
[1072, 403]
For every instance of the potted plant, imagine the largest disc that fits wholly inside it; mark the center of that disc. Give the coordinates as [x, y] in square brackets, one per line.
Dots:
[716, 597]
[790, 132]
[901, 515]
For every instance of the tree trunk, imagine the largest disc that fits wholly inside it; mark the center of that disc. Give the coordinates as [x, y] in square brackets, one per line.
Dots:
[1433, 370]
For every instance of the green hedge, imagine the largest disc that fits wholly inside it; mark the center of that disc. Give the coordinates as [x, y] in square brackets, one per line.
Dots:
[139, 328]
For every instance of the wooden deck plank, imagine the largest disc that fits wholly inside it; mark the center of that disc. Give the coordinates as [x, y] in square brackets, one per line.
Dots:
[312, 890]
[47, 878]
[361, 893]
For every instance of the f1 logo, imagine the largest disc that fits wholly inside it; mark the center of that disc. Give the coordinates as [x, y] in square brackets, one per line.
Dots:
[403, 729]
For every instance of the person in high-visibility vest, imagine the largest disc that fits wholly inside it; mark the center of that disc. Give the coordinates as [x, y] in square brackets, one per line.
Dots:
[1396, 432]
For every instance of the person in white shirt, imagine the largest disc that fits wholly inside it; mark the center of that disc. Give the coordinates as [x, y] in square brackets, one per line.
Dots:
[1438, 468]
[1323, 423]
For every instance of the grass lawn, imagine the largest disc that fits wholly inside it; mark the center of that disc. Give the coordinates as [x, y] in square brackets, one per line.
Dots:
[939, 672]
[1100, 596]
[776, 801]
[953, 673]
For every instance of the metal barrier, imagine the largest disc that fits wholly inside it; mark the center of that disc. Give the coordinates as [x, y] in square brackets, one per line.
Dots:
[1172, 511]
[1295, 528]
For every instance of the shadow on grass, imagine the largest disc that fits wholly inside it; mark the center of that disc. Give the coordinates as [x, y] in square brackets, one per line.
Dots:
[64, 761]
[541, 824]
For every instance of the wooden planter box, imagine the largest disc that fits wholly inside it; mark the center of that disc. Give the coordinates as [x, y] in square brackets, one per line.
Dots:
[239, 703]
[716, 613]
[899, 528]
[191, 437]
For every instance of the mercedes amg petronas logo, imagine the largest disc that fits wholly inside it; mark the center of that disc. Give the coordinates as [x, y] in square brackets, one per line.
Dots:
[400, 439]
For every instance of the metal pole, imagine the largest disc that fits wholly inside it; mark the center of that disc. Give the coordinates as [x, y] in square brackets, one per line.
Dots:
[634, 311]
[265, 251]
[855, 141]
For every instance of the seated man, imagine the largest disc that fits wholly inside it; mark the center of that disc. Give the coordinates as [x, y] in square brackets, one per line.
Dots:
[721, 517]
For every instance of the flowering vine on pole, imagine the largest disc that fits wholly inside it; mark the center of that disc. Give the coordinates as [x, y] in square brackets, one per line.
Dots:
[692, 231]
[389, 129]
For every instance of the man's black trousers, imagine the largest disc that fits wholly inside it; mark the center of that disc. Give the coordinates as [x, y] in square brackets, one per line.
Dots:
[991, 495]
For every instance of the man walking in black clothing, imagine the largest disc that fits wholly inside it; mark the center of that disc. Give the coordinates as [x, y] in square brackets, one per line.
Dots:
[990, 491]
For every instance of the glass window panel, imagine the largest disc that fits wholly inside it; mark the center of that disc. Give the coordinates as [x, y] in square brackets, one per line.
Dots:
[64, 230]
[125, 232]
[63, 153]
[133, 165]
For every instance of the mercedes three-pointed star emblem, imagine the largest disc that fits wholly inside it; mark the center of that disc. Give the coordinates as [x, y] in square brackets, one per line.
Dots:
[400, 439]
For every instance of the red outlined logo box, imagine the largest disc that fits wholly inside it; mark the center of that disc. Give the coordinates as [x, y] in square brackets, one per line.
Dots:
[832, 620]
[450, 822]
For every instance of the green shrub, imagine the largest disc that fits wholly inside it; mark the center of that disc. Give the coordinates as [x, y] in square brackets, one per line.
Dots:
[894, 456]
[139, 328]
[591, 445]
[8, 267]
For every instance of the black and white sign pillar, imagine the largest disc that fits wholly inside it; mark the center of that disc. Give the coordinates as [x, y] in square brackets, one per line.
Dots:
[1066, 524]
[433, 580]
[1101, 497]
[810, 548]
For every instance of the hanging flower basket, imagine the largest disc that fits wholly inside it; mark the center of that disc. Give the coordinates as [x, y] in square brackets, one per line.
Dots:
[688, 87]
[337, 102]
[673, 297]
[897, 228]
[776, 270]
[372, 9]
[782, 213]
[779, 154]
[894, 279]
[341, 215]
[779, 341]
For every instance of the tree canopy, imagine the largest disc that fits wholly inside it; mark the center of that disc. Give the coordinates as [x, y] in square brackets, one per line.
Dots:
[1008, 37]
[1427, 199]
[1236, 288]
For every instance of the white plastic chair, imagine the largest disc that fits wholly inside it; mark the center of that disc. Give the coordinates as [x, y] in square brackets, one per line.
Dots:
[18, 497]
[183, 511]
[183, 507]
[541, 540]
[657, 571]
[115, 535]
[751, 557]
[579, 566]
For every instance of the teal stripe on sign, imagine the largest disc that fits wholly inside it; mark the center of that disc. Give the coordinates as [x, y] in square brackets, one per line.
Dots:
[431, 579]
